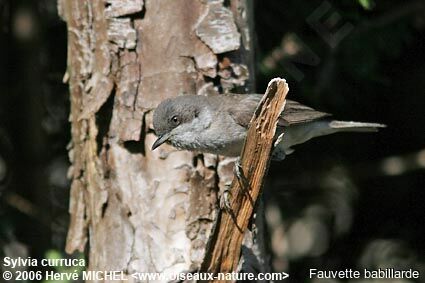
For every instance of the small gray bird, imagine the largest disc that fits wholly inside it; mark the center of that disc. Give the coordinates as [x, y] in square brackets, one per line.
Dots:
[218, 124]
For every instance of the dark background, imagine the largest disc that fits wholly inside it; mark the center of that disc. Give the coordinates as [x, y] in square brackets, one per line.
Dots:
[348, 200]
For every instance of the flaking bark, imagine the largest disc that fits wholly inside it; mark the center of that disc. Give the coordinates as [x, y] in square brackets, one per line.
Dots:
[135, 210]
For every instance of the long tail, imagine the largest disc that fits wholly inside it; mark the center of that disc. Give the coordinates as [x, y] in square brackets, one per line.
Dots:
[300, 133]
[346, 126]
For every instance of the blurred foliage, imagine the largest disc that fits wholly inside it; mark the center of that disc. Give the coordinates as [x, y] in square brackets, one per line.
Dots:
[34, 130]
[367, 4]
[349, 200]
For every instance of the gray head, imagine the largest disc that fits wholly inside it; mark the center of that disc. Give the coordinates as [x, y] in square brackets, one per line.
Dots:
[172, 115]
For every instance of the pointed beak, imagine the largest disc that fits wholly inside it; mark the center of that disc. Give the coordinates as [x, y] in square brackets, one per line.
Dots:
[161, 139]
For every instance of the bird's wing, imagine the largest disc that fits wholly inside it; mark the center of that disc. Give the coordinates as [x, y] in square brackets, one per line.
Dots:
[297, 113]
[241, 108]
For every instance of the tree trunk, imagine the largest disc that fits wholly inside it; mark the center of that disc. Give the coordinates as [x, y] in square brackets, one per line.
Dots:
[134, 209]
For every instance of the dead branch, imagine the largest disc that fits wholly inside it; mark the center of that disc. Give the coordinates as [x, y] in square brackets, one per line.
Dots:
[225, 244]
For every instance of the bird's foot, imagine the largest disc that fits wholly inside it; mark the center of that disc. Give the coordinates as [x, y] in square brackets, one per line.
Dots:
[225, 198]
[238, 171]
[242, 179]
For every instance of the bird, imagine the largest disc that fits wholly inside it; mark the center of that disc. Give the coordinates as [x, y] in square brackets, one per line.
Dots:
[218, 124]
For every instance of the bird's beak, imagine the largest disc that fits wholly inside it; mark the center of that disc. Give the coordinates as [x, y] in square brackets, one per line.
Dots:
[161, 139]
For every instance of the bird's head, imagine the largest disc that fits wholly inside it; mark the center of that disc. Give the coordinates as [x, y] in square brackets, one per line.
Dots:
[174, 117]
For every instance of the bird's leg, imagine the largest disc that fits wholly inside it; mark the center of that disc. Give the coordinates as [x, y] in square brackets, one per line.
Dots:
[238, 171]
[243, 181]
[225, 197]
[225, 201]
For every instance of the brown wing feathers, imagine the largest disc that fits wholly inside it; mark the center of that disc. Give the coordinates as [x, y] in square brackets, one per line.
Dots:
[296, 113]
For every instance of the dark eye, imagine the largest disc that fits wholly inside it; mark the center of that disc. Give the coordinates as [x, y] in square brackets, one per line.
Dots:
[175, 120]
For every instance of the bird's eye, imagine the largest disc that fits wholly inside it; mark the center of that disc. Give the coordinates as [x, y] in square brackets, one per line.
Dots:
[175, 120]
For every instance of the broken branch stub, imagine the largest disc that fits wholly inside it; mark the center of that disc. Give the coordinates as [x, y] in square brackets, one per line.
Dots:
[225, 245]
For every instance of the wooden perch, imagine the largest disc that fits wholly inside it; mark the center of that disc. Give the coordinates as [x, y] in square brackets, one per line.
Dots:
[224, 248]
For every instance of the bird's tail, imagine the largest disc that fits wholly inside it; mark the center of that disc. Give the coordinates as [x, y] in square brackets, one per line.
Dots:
[345, 126]
[300, 133]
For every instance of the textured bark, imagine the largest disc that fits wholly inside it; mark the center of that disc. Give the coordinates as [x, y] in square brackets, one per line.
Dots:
[132, 209]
